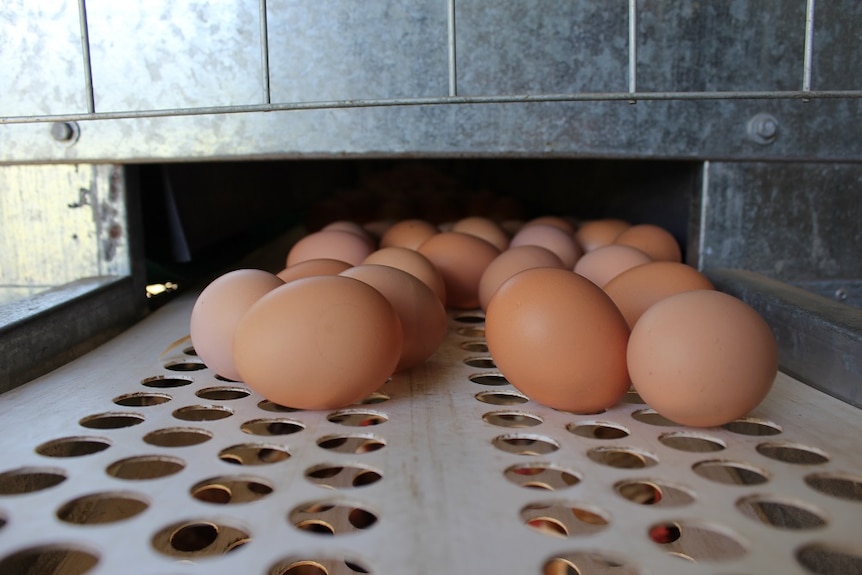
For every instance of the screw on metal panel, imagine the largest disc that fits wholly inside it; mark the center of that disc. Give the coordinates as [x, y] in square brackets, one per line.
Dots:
[65, 132]
[763, 128]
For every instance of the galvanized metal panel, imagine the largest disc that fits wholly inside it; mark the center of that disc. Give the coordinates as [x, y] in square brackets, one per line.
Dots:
[341, 50]
[156, 54]
[786, 221]
[42, 69]
[553, 46]
[837, 45]
[686, 129]
[719, 45]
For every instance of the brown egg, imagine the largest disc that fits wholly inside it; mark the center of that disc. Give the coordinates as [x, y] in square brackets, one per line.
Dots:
[509, 263]
[331, 244]
[408, 234]
[552, 238]
[559, 339]
[315, 267]
[597, 233]
[217, 311]
[319, 342]
[605, 263]
[423, 317]
[461, 260]
[638, 288]
[654, 241]
[488, 230]
[562, 223]
[413, 263]
[348, 226]
[702, 358]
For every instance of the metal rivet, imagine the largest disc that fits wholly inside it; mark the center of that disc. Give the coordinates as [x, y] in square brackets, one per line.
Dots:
[763, 128]
[65, 132]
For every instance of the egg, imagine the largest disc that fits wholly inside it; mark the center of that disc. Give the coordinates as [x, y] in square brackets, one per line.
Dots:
[461, 260]
[313, 267]
[217, 311]
[331, 244]
[563, 244]
[483, 228]
[509, 263]
[349, 226]
[654, 241]
[413, 263]
[422, 315]
[638, 288]
[597, 233]
[605, 263]
[408, 234]
[557, 221]
[320, 342]
[559, 339]
[702, 358]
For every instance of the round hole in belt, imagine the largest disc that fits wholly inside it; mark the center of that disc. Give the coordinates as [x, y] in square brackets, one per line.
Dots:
[202, 413]
[589, 562]
[752, 426]
[652, 417]
[653, 493]
[253, 454]
[177, 437]
[475, 346]
[99, 508]
[731, 472]
[74, 560]
[781, 513]
[199, 538]
[226, 490]
[73, 446]
[693, 442]
[223, 393]
[355, 444]
[317, 565]
[826, 559]
[111, 420]
[357, 418]
[564, 519]
[501, 397]
[143, 467]
[184, 365]
[684, 539]
[374, 398]
[489, 379]
[30, 480]
[481, 362]
[271, 427]
[471, 331]
[512, 419]
[520, 444]
[622, 457]
[541, 476]
[836, 485]
[342, 476]
[470, 318]
[162, 382]
[331, 518]
[268, 405]
[793, 453]
[142, 399]
[598, 430]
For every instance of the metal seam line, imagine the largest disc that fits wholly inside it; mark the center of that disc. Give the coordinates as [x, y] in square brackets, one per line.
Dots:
[453, 77]
[455, 100]
[85, 49]
[809, 39]
[633, 47]
[264, 52]
[704, 200]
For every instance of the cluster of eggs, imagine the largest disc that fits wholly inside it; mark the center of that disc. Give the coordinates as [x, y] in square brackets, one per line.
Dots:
[575, 315]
